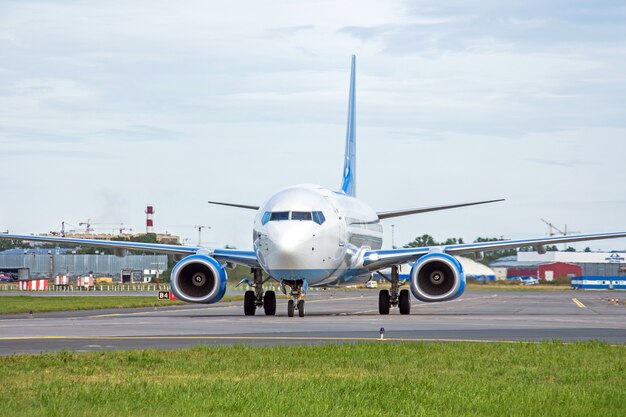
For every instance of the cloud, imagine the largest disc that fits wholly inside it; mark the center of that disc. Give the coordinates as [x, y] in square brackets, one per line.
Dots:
[570, 163]
[288, 31]
[56, 154]
[137, 133]
[440, 27]
[246, 97]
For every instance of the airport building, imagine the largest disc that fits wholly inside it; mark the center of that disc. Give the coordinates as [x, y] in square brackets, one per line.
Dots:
[593, 270]
[46, 263]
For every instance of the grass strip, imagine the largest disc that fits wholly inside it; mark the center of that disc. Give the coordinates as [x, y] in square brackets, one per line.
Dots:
[366, 379]
[24, 303]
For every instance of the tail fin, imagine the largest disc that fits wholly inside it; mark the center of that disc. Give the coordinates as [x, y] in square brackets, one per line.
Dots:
[349, 169]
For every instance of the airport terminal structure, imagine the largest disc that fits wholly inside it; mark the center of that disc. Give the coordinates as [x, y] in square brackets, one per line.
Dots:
[47, 263]
[585, 270]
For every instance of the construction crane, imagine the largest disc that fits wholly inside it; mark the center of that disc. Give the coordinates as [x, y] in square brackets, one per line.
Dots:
[555, 231]
[117, 226]
[198, 227]
[552, 229]
[87, 224]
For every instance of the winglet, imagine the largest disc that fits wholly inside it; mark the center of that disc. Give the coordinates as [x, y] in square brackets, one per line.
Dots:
[349, 169]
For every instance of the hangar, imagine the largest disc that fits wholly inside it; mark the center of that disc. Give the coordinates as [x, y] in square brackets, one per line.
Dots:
[47, 263]
[585, 269]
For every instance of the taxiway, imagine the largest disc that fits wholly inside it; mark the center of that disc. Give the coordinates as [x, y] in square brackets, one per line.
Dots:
[331, 316]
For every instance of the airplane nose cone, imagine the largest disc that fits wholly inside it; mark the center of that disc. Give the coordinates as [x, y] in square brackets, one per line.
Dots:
[286, 249]
[287, 245]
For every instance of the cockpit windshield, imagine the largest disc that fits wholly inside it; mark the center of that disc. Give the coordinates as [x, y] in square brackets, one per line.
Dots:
[300, 215]
[316, 216]
[279, 215]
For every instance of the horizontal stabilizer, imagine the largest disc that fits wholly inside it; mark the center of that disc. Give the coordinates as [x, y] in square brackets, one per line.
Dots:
[244, 206]
[406, 212]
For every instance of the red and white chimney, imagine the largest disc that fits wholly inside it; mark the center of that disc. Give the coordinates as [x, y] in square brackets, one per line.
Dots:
[149, 220]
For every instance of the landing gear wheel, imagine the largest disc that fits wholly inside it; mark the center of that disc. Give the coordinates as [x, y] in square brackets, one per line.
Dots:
[249, 303]
[301, 308]
[383, 302]
[269, 303]
[290, 308]
[404, 302]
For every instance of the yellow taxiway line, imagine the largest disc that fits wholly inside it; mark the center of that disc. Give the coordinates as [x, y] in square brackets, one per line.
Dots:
[578, 303]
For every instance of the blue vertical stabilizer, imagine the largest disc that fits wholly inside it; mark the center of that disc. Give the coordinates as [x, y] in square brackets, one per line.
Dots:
[349, 169]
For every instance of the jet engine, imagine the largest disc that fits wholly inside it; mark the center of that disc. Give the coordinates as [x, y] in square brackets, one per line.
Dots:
[199, 279]
[437, 277]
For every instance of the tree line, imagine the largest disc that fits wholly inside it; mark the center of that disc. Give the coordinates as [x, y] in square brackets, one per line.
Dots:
[428, 240]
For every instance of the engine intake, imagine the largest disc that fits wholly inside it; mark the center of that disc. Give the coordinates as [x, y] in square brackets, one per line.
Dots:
[437, 277]
[199, 279]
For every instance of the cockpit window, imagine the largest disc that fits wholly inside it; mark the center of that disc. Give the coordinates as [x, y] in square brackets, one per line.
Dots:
[318, 217]
[279, 215]
[300, 215]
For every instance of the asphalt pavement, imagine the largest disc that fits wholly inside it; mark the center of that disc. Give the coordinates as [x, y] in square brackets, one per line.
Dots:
[480, 316]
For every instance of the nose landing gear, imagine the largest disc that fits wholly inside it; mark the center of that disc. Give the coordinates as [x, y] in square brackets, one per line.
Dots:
[394, 297]
[296, 301]
[258, 298]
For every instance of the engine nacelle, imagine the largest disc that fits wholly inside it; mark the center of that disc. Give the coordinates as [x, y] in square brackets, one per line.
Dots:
[199, 279]
[437, 277]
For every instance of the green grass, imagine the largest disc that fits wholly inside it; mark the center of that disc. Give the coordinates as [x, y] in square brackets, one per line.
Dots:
[369, 379]
[24, 303]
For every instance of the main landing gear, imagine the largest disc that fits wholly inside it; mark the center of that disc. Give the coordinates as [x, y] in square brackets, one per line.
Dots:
[296, 301]
[257, 298]
[394, 297]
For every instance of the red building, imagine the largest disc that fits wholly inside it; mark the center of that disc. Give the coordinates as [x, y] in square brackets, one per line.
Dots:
[546, 271]
[552, 271]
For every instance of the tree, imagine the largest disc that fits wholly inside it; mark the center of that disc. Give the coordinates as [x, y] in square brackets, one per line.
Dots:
[493, 255]
[11, 244]
[587, 249]
[570, 249]
[422, 241]
[453, 241]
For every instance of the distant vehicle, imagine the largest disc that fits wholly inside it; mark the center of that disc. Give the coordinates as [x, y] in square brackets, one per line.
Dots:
[371, 284]
[529, 280]
[4, 278]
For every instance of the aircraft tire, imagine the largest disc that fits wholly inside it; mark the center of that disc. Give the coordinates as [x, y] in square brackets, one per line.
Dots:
[269, 303]
[383, 302]
[249, 303]
[404, 302]
[301, 308]
[290, 308]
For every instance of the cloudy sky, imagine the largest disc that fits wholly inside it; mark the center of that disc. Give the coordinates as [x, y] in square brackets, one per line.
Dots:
[107, 106]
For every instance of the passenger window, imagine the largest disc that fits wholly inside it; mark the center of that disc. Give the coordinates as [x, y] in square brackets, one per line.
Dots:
[318, 217]
[279, 215]
[300, 215]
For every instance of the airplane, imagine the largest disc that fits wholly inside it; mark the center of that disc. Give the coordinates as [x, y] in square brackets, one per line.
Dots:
[310, 236]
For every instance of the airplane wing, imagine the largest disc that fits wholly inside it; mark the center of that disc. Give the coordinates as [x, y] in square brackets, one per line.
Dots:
[243, 206]
[419, 210]
[247, 258]
[379, 259]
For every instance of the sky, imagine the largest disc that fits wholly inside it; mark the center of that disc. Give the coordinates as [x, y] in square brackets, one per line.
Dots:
[108, 106]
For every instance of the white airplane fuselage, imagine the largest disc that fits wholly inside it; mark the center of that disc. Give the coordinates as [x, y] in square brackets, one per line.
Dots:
[294, 242]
